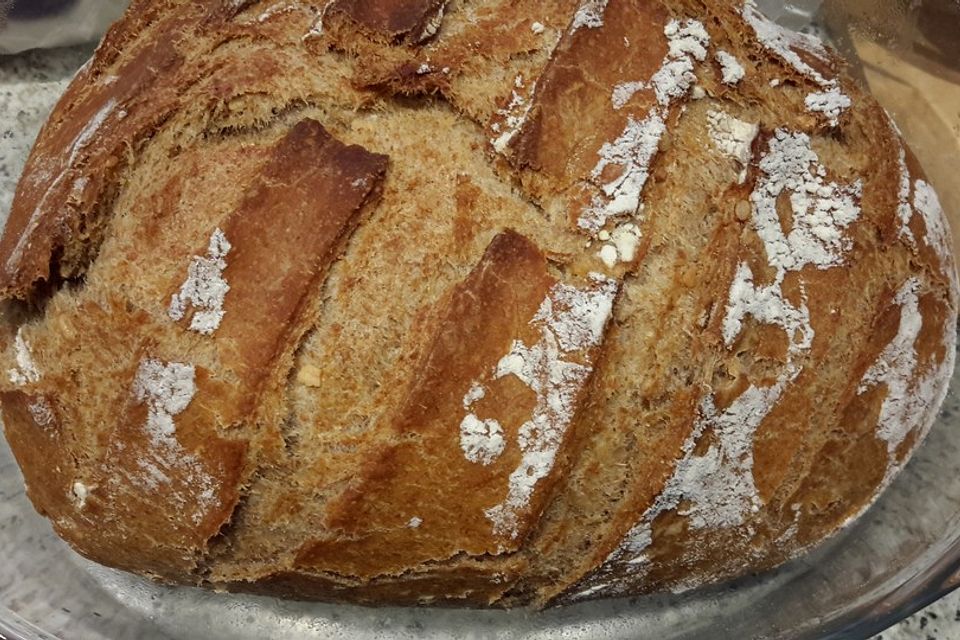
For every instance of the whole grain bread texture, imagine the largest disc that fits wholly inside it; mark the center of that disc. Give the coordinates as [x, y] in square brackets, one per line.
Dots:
[471, 302]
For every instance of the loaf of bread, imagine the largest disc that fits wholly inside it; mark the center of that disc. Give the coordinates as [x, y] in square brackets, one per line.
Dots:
[484, 303]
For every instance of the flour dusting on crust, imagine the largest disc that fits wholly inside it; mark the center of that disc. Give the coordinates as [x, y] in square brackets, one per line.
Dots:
[632, 151]
[78, 494]
[432, 25]
[767, 305]
[623, 92]
[316, 29]
[822, 210]
[788, 46]
[831, 103]
[732, 72]
[575, 316]
[589, 15]
[904, 209]
[481, 440]
[571, 321]
[715, 488]
[621, 244]
[909, 397]
[168, 389]
[927, 204]
[26, 371]
[86, 135]
[937, 234]
[205, 288]
[732, 137]
[513, 116]
[688, 41]
[635, 148]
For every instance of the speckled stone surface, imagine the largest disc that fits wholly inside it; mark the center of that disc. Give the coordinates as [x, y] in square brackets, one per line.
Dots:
[30, 83]
[939, 621]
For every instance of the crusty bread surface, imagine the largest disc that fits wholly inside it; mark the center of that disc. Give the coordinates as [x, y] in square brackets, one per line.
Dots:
[467, 302]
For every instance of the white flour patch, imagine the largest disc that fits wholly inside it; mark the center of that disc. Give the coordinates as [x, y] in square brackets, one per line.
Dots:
[279, 9]
[577, 317]
[912, 396]
[205, 288]
[822, 210]
[937, 235]
[831, 103]
[767, 305]
[316, 29]
[895, 367]
[608, 255]
[626, 238]
[623, 244]
[633, 151]
[26, 371]
[904, 210]
[927, 204]
[732, 72]
[476, 392]
[571, 321]
[555, 383]
[481, 440]
[785, 43]
[589, 15]
[623, 92]
[732, 137]
[168, 389]
[433, 24]
[79, 494]
[513, 116]
[688, 41]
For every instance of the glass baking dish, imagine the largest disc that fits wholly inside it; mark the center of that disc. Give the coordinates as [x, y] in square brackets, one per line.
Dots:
[902, 555]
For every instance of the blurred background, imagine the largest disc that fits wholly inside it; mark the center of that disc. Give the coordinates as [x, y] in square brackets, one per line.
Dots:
[32, 24]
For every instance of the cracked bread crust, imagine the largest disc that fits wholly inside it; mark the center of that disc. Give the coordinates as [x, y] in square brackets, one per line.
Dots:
[488, 303]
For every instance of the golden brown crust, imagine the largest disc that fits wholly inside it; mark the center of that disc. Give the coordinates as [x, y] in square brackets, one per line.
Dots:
[557, 156]
[723, 322]
[392, 20]
[291, 224]
[57, 198]
[370, 533]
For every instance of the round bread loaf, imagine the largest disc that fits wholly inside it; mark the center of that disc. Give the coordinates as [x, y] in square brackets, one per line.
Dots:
[493, 302]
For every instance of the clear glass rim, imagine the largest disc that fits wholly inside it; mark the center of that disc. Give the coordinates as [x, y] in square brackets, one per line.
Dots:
[14, 627]
[886, 609]
[865, 621]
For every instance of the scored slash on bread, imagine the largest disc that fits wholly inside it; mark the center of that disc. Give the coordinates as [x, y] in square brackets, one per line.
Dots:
[409, 21]
[473, 365]
[497, 303]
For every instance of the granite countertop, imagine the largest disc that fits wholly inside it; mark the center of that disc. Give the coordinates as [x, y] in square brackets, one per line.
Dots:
[31, 82]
